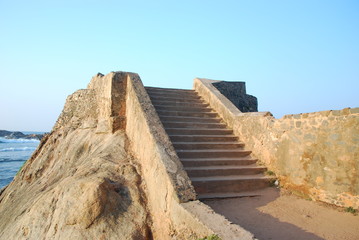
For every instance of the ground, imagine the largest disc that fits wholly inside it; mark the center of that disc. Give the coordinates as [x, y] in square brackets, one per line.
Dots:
[279, 215]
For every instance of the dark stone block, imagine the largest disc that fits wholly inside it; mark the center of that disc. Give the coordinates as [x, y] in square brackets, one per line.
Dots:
[236, 93]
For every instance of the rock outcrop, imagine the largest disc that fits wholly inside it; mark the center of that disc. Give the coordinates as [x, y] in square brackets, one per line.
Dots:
[236, 93]
[17, 135]
[81, 183]
[107, 170]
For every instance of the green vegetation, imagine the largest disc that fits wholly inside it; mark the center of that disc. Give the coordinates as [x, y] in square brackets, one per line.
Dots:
[211, 237]
[351, 210]
[270, 173]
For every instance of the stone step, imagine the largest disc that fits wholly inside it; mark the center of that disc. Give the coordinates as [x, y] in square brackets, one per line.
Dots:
[191, 95]
[198, 162]
[225, 184]
[212, 153]
[203, 138]
[219, 195]
[197, 131]
[182, 104]
[213, 157]
[157, 89]
[209, 171]
[182, 109]
[190, 119]
[193, 125]
[186, 114]
[175, 99]
[207, 145]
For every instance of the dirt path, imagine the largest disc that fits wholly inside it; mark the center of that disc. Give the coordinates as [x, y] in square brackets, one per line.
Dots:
[282, 216]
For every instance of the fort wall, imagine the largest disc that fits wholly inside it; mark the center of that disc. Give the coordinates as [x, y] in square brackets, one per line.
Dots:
[315, 155]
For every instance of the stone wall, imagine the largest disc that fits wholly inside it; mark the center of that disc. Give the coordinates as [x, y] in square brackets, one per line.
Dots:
[236, 93]
[170, 194]
[313, 154]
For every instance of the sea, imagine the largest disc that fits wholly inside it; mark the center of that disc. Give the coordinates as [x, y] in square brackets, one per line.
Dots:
[13, 154]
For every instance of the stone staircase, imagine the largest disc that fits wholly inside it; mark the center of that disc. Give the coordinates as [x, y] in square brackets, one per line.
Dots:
[215, 160]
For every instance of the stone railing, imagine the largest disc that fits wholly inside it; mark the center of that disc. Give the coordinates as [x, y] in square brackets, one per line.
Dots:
[170, 194]
[313, 154]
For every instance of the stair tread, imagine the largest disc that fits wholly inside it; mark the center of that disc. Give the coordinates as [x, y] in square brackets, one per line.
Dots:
[174, 94]
[175, 98]
[203, 125]
[172, 111]
[231, 177]
[219, 195]
[213, 150]
[167, 121]
[169, 89]
[197, 118]
[201, 135]
[220, 129]
[202, 108]
[251, 166]
[219, 159]
[209, 143]
[157, 102]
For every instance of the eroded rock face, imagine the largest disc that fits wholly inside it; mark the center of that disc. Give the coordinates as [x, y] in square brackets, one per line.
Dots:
[236, 93]
[79, 184]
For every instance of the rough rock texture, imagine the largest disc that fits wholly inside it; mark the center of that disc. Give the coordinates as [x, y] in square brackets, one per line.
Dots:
[107, 171]
[236, 93]
[17, 135]
[79, 184]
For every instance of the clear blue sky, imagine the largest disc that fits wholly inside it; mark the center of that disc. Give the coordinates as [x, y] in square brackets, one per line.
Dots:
[295, 56]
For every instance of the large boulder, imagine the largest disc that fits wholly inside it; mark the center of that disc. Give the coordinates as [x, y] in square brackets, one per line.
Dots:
[80, 183]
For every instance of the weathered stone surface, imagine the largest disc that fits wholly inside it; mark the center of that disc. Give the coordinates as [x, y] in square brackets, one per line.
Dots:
[106, 171]
[78, 184]
[314, 154]
[236, 93]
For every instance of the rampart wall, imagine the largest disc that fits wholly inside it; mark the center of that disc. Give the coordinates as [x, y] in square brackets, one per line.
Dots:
[171, 199]
[313, 154]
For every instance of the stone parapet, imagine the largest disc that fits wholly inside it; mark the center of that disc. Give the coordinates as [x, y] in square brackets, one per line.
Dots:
[313, 154]
[170, 193]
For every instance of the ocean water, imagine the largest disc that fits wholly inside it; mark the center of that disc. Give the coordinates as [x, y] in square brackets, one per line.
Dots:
[13, 154]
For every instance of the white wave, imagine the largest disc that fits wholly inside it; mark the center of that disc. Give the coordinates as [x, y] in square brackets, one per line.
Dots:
[20, 140]
[17, 149]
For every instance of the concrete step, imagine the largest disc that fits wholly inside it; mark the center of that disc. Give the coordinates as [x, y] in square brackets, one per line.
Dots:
[186, 114]
[225, 184]
[182, 104]
[219, 195]
[193, 125]
[182, 109]
[198, 162]
[203, 138]
[197, 131]
[175, 99]
[192, 95]
[212, 153]
[157, 89]
[190, 119]
[213, 157]
[209, 171]
[207, 145]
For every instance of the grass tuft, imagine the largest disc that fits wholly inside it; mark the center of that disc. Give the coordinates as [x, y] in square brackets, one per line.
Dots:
[211, 237]
[351, 210]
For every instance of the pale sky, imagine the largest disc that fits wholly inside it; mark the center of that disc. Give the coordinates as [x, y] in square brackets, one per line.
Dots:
[295, 56]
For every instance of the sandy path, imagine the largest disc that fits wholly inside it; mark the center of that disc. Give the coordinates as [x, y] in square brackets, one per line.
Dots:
[282, 216]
